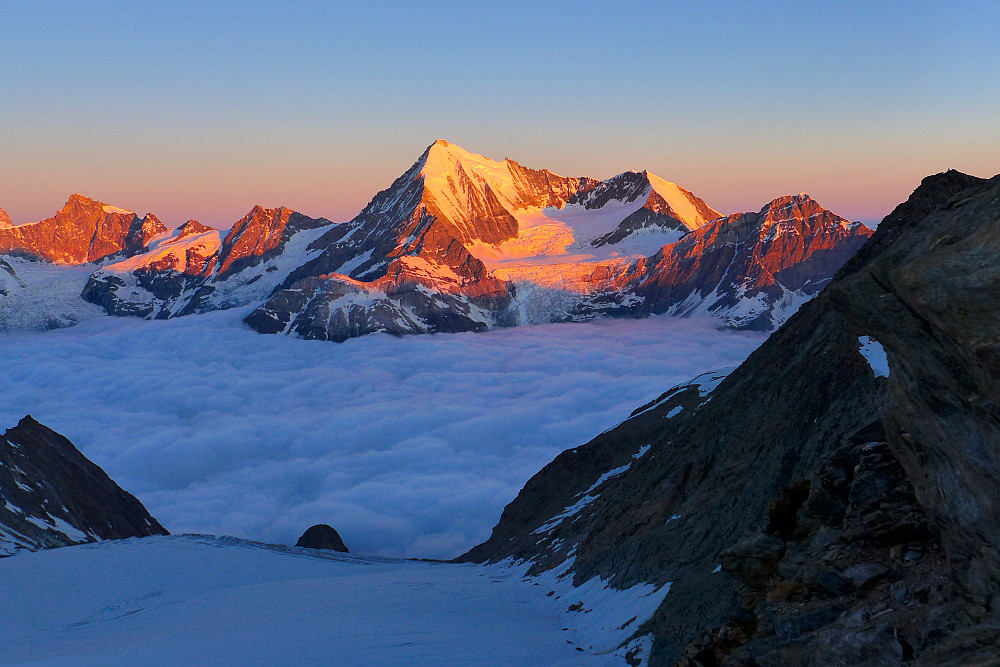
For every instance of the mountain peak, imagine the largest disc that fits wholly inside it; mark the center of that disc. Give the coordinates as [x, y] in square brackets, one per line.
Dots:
[78, 202]
[192, 227]
[801, 200]
[5, 220]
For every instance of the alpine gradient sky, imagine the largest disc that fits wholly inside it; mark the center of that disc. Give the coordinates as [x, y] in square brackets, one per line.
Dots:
[200, 110]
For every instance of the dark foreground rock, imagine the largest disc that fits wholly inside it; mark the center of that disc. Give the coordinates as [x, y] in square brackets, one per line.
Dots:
[322, 536]
[809, 510]
[54, 496]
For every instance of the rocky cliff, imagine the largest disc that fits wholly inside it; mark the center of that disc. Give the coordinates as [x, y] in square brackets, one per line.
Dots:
[809, 510]
[84, 230]
[54, 496]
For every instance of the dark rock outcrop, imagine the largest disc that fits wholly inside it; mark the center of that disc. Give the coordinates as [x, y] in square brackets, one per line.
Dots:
[7, 274]
[322, 536]
[837, 504]
[53, 496]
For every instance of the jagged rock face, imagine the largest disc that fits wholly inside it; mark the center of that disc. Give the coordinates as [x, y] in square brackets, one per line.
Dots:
[260, 235]
[54, 496]
[931, 300]
[5, 220]
[322, 536]
[83, 231]
[141, 234]
[698, 475]
[846, 572]
[478, 196]
[751, 267]
[194, 270]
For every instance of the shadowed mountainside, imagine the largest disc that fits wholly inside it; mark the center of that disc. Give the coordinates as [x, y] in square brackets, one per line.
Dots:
[54, 496]
[807, 509]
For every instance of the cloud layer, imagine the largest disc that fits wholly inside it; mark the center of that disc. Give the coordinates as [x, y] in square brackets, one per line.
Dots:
[408, 447]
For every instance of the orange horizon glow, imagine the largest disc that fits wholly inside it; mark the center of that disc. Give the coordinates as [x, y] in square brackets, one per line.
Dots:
[337, 190]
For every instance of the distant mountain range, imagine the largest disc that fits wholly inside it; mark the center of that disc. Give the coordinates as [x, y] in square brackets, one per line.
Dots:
[457, 243]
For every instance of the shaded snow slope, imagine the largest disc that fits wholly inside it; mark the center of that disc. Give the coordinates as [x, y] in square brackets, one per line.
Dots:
[41, 295]
[200, 600]
[407, 446]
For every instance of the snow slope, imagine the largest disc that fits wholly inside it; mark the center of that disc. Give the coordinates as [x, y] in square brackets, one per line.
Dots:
[201, 600]
[43, 296]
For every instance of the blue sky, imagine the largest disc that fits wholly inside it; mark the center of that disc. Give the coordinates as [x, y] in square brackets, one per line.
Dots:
[203, 109]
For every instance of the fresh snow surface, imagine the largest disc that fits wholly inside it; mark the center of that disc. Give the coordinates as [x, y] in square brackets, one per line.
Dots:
[407, 446]
[875, 355]
[678, 201]
[114, 209]
[199, 600]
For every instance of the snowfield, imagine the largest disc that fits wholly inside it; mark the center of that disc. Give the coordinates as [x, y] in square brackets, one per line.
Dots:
[408, 446]
[199, 600]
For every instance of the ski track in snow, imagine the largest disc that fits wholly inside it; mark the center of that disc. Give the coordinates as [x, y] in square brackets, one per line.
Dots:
[408, 447]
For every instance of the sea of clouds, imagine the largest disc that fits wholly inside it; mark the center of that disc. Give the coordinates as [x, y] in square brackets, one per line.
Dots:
[408, 446]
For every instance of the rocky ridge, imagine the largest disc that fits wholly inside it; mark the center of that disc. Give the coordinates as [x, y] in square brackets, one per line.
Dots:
[84, 230]
[195, 269]
[807, 509]
[53, 496]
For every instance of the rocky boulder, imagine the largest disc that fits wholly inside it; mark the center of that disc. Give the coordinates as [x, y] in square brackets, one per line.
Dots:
[322, 536]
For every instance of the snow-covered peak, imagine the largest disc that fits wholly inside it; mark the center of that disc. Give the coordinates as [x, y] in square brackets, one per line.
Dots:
[649, 191]
[186, 249]
[689, 209]
[453, 176]
[108, 208]
[192, 227]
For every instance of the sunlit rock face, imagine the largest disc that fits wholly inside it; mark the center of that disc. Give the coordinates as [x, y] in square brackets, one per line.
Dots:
[53, 496]
[5, 220]
[194, 269]
[84, 230]
[752, 269]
